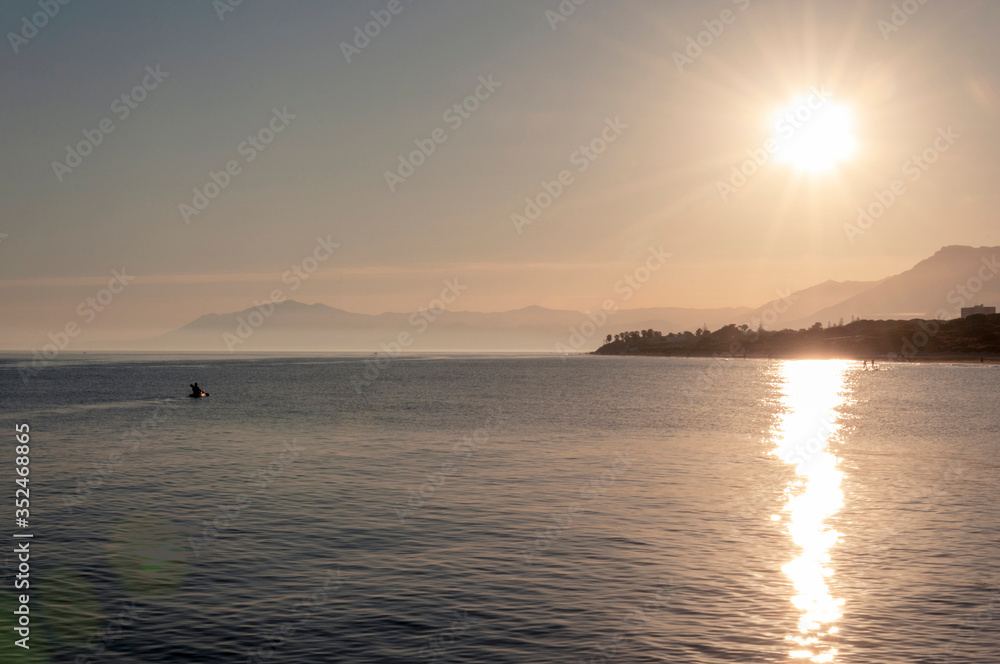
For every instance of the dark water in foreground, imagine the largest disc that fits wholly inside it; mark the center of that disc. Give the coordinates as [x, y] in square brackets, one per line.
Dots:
[508, 510]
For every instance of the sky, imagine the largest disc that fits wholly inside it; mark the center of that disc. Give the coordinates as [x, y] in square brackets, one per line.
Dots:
[667, 120]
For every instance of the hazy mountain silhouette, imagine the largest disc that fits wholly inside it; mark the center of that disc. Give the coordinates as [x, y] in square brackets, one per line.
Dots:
[930, 289]
[296, 326]
[927, 289]
[806, 303]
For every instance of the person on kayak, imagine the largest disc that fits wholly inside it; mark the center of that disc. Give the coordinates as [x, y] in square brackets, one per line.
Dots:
[196, 391]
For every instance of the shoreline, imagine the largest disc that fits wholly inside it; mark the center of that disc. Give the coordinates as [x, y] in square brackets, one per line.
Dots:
[972, 339]
[916, 359]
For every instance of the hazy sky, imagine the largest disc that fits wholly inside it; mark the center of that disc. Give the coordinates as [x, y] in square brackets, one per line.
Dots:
[323, 175]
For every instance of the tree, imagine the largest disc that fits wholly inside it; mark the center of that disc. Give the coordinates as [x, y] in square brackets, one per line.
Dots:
[608, 339]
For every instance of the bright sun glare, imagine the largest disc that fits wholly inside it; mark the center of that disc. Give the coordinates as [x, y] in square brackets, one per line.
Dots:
[814, 134]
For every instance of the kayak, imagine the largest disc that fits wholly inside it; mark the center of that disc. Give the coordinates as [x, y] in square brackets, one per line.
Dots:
[198, 396]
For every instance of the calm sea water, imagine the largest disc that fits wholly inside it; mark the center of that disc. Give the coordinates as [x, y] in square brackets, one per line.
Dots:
[502, 509]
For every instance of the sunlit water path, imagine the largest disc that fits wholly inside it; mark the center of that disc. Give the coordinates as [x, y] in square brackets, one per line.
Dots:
[808, 428]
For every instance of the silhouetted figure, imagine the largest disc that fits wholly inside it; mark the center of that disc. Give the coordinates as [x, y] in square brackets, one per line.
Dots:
[197, 391]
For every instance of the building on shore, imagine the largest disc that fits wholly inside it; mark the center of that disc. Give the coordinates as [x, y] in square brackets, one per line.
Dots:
[978, 309]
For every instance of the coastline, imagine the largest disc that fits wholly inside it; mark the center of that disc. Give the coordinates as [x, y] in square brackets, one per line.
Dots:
[986, 359]
[974, 339]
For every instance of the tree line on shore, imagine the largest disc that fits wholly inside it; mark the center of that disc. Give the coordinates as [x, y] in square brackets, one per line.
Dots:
[892, 339]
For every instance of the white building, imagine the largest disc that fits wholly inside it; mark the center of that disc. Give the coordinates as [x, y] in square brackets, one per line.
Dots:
[978, 309]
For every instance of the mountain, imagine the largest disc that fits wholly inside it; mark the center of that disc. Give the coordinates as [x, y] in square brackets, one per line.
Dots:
[292, 325]
[936, 287]
[788, 310]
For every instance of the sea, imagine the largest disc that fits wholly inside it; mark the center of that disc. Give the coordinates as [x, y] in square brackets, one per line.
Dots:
[501, 508]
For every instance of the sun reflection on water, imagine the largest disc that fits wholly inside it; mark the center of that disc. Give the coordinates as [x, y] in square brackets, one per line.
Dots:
[813, 392]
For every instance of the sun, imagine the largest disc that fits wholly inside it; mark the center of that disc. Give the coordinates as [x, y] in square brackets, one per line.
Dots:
[814, 134]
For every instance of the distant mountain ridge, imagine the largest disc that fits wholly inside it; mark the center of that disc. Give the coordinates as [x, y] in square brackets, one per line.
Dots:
[292, 325]
[936, 287]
